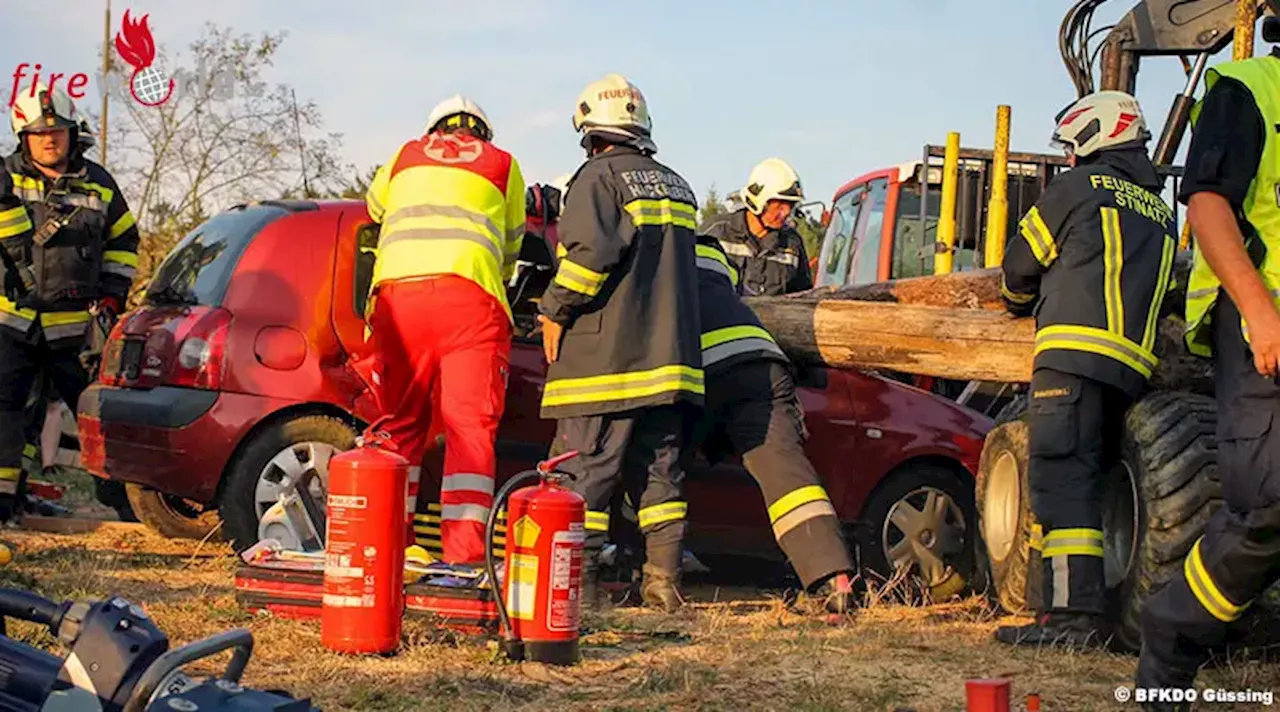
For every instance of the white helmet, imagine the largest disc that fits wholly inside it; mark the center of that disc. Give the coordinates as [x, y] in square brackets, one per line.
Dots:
[1100, 121]
[454, 111]
[616, 107]
[46, 110]
[771, 179]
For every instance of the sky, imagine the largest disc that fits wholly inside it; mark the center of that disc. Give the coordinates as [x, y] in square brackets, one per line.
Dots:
[835, 88]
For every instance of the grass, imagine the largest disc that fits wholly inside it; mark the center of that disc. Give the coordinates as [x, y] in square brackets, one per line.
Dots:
[747, 650]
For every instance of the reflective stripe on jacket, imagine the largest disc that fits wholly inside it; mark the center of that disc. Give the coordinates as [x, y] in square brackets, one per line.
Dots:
[1095, 256]
[731, 331]
[449, 204]
[92, 254]
[1261, 76]
[626, 288]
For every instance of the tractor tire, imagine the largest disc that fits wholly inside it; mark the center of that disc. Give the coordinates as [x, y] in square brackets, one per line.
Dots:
[1170, 448]
[171, 516]
[1013, 410]
[1003, 502]
[294, 442]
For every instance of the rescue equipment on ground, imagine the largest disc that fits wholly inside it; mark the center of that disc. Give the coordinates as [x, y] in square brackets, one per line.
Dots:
[290, 584]
[362, 608]
[541, 587]
[120, 661]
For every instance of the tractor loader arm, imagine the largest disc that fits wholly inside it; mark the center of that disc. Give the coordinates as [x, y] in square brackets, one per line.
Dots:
[1157, 28]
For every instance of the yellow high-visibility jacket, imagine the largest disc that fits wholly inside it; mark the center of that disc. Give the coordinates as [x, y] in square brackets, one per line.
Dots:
[449, 204]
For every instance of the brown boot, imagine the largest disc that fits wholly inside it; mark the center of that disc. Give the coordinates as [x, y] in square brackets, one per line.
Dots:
[661, 589]
[590, 589]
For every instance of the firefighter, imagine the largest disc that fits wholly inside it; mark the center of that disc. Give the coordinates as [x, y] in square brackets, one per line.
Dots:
[69, 246]
[620, 332]
[752, 406]
[451, 206]
[767, 252]
[1229, 188]
[1093, 264]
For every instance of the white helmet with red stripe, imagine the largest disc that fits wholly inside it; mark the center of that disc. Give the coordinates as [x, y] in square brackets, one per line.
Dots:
[1101, 121]
[40, 109]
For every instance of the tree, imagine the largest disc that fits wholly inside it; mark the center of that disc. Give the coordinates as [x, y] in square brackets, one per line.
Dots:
[222, 137]
[712, 205]
[811, 231]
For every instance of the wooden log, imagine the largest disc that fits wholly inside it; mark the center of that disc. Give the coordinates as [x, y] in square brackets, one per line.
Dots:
[952, 326]
[956, 343]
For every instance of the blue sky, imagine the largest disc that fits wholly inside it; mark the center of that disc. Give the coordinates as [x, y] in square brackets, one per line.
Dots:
[836, 88]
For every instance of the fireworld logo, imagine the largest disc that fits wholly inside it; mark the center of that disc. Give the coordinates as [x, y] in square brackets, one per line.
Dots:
[138, 49]
[149, 85]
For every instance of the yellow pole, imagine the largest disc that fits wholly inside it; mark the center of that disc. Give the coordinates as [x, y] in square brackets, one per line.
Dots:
[1242, 40]
[944, 259]
[998, 206]
[1184, 242]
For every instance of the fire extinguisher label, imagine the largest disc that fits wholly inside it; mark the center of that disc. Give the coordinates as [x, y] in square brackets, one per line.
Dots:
[522, 591]
[564, 603]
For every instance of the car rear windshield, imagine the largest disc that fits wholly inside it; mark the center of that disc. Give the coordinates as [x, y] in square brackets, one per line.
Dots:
[199, 267]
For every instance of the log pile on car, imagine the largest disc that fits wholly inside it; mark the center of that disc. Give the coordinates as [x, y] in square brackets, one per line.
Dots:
[950, 326]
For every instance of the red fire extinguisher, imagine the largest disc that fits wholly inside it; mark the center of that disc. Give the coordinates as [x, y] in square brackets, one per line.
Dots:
[363, 604]
[541, 594]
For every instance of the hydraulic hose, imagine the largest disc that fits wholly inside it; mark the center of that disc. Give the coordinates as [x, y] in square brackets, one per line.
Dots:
[27, 606]
[512, 647]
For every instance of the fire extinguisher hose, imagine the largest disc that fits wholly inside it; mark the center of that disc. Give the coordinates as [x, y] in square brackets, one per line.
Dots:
[513, 647]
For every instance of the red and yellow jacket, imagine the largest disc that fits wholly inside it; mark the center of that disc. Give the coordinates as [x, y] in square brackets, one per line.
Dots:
[449, 204]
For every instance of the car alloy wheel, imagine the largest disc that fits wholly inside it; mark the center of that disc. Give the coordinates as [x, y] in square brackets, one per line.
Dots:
[925, 531]
[302, 468]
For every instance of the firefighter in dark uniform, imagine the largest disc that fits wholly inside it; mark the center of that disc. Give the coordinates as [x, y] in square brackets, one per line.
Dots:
[752, 406]
[620, 331]
[1093, 264]
[1233, 316]
[69, 245]
[768, 254]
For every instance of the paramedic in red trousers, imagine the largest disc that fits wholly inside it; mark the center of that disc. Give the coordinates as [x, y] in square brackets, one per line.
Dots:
[451, 205]
[768, 254]
[1233, 316]
[69, 245]
[620, 331]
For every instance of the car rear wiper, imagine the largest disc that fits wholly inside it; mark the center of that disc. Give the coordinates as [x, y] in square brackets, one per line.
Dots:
[169, 294]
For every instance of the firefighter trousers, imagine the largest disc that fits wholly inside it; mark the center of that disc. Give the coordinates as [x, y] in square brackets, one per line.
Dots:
[753, 409]
[23, 359]
[1238, 555]
[1076, 426]
[447, 334]
[638, 453]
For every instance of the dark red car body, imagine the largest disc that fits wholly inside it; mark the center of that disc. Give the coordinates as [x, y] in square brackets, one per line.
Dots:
[292, 345]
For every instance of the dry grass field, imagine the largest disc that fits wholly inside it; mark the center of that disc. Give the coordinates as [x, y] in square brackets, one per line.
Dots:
[734, 649]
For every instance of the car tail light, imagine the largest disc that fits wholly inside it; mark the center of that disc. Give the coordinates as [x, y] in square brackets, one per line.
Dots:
[201, 341]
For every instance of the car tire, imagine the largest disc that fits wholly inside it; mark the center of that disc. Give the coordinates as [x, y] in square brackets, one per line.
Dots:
[910, 486]
[171, 516]
[1003, 502]
[237, 503]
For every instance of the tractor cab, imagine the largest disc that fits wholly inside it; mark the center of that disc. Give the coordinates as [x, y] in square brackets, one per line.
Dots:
[884, 225]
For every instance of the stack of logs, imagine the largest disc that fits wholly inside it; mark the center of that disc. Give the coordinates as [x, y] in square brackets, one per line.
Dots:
[952, 326]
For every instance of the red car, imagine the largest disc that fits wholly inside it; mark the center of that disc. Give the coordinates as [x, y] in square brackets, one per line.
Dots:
[238, 379]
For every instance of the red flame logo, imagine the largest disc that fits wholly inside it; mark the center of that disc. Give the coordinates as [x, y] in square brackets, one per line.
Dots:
[136, 46]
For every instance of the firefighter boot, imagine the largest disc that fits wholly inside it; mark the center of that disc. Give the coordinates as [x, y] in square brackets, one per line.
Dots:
[660, 588]
[1076, 631]
[590, 584]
